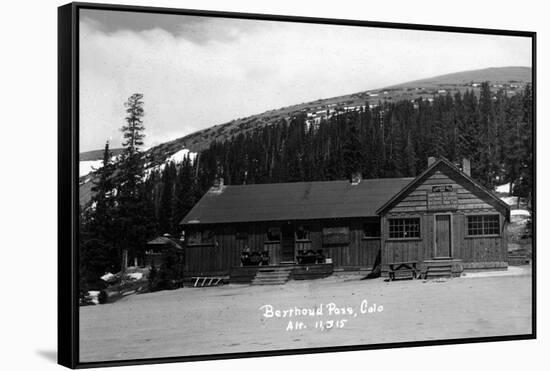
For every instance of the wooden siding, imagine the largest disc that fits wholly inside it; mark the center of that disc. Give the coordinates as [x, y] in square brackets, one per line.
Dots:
[471, 201]
[224, 254]
[468, 196]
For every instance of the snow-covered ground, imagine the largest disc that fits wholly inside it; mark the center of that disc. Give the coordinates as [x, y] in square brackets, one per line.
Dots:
[180, 155]
[87, 167]
[177, 157]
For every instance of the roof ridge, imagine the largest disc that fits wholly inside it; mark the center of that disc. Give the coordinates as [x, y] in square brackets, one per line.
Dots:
[317, 181]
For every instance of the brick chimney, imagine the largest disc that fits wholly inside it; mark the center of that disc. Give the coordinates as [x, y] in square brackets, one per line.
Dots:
[356, 178]
[431, 161]
[466, 168]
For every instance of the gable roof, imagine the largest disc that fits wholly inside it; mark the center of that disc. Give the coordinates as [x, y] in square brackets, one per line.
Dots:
[443, 162]
[163, 241]
[294, 201]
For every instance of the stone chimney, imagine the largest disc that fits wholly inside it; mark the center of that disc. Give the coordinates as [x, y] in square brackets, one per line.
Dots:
[431, 161]
[356, 178]
[466, 168]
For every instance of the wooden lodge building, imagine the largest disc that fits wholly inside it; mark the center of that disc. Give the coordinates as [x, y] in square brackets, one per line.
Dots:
[442, 215]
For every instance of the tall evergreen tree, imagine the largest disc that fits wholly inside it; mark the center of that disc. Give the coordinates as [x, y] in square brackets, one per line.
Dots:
[133, 224]
[352, 148]
[97, 232]
[167, 222]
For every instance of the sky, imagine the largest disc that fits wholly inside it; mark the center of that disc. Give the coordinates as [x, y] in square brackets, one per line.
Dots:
[196, 72]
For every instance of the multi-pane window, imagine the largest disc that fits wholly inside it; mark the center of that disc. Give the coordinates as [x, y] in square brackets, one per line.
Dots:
[404, 228]
[483, 225]
[371, 229]
[302, 233]
[200, 237]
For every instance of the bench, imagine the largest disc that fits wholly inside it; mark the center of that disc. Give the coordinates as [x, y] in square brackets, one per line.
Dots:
[403, 270]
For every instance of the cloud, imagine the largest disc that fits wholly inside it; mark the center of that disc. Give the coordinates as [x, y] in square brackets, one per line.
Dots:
[200, 30]
[213, 70]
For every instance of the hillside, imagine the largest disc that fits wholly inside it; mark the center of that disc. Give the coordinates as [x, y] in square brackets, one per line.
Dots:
[504, 75]
[510, 78]
[513, 79]
[97, 154]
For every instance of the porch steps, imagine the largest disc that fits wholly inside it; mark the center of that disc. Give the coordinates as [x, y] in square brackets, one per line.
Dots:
[439, 270]
[277, 275]
[518, 257]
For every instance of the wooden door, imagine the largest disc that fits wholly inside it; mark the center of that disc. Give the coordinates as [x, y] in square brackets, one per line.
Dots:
[442, 236]
[287, 242]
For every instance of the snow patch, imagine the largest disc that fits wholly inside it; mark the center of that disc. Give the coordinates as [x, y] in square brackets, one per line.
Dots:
[520, 212]
[510, 200]
[86, 167]
[94, 296]
[108, 277]
[135, 275]
[504, 188]
[180, 155]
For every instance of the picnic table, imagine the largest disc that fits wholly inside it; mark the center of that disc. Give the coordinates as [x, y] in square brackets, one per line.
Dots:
[406, 269]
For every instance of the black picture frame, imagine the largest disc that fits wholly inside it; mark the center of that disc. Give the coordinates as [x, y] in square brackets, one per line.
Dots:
[68, 200]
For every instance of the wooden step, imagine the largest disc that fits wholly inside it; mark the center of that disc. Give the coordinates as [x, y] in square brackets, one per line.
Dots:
[440, 269]
[439, 272]
[272, 275]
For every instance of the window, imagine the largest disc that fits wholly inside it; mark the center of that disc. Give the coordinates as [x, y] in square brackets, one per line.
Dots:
[335, 235]
[274, 234]
[194, 237]
[302, 233]
[198, 237]
[404, 228]
[371, 229]
[483, 225]
[208, 236]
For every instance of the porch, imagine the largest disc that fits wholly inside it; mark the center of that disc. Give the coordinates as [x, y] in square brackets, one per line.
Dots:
[280, 273]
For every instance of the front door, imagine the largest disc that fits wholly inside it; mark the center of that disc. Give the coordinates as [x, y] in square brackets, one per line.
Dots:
[442, 236]
[287, 242]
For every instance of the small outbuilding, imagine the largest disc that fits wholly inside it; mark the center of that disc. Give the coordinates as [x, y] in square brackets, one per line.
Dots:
[158, 248]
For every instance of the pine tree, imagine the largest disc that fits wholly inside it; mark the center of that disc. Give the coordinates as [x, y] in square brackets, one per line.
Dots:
[185, 189]
[133, 223]
[525, 184]
[488, 162]
[97, 232]
[167, 200]
[352, 148]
